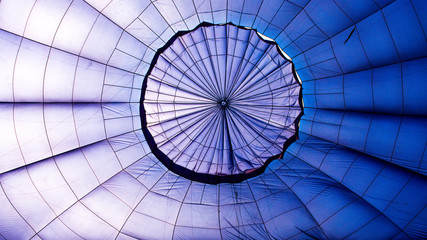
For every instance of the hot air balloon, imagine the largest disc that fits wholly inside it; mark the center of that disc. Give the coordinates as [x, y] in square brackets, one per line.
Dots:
[195, 119]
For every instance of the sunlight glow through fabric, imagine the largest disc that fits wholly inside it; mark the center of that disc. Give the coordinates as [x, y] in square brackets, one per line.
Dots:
[76, 164]
[219, 100]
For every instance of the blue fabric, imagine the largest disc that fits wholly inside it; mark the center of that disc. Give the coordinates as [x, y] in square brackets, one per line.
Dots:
[76, 164]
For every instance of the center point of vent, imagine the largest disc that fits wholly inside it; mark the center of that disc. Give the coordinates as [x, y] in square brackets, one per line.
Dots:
[223, 103]
[219, 103]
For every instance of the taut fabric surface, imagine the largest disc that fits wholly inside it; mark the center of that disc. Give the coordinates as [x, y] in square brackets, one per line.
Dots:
[75, 163]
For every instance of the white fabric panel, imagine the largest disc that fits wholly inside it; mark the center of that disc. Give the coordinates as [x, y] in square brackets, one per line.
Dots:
[48, 178]
[371, 199]
[124, 61]
[147, 171]
[171, 14]
[123, 141]
[19, 188]
[118, 118]
[98, 4]
[59, 75]
[132, 46]
[83, 222]
[126, 188]
[118, 126]
[153, 228]
[131, 154]
[151, 28]
[135, 96]
[142, 141]
[89, 123]
[58, 230]
[75, 27]
[10, 154]
[137, 81]
[102, 40]
[136, 119]
[136, 123]
[60, 128]
[192, 22]
[102, 160]
[145, 64]
[118, 77]
[36, 237]
[154, 20]
[116, 94]
[12, 224]
[77, 172]
[107, 207]
[9, 45]
[45, 19]
[122, 236]
[14, 15]
[167, 213]
[204, 11]
[219, 11]
[62, 121]
[164, 37]
[88, 81]
[59, 78]
[122, 12]
[31, 132]
[51, 185]
[140, 30]
[188, 12]
[29, 72]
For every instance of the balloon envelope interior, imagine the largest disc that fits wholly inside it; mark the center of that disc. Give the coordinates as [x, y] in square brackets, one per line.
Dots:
[76, 164]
